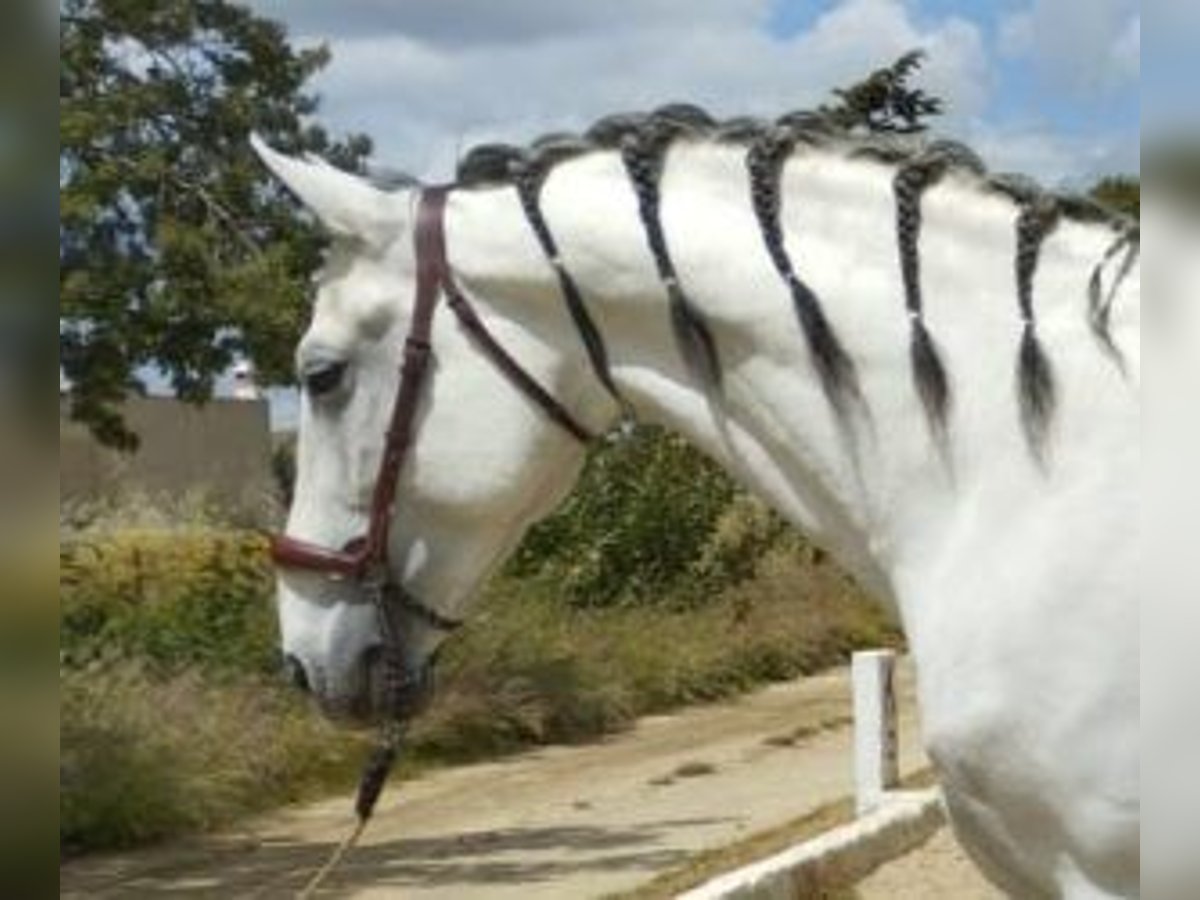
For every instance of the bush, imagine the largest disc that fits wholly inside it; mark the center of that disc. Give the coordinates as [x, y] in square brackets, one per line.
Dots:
[174, 599]
[636, 526]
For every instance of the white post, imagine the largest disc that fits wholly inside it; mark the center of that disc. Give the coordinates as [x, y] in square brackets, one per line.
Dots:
[876, 759]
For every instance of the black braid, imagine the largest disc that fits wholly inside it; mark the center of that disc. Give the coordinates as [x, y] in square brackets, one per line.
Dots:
[928, 372]
[1035, 375]
[488, 164]
[529, 179]
[742, 130]
[643, 152]
[611, 131]
[764, 163]
[1100, 303]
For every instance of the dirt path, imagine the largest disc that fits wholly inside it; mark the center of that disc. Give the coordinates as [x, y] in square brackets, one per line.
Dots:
[565, 822]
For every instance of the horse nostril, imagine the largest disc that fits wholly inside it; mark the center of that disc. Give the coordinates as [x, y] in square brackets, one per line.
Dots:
[295, 673]
[372, 657]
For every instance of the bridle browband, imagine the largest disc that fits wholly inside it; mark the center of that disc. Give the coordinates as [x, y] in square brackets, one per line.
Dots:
[365, 559]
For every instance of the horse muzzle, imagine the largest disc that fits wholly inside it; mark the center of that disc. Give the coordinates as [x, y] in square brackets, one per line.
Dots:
[380, 688]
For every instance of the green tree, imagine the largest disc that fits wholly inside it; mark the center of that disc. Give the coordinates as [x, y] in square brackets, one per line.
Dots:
[1120, 192]
[884, 102]
[176, 250]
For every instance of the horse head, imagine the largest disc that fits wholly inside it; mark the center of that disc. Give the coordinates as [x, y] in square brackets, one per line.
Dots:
[380, 557]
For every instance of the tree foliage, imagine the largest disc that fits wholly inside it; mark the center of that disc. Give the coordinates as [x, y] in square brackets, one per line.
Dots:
[639, 520]
[1120, 192]
[884, 102]
[176, 250]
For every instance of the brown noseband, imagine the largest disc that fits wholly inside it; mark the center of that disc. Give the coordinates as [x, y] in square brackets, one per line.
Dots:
[365, 559]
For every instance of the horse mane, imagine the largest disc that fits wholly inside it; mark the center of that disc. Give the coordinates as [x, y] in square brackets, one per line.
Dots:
[494, 164]
[642, 140]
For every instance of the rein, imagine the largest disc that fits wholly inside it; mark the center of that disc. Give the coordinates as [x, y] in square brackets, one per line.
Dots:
[365, 559]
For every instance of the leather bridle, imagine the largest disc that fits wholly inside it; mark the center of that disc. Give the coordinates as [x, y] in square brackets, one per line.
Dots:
[364, 559]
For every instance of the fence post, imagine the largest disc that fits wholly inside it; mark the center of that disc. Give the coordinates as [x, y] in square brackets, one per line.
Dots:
[876, 756]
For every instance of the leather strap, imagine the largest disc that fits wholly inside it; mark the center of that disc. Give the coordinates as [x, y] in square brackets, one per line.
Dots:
[512, 370]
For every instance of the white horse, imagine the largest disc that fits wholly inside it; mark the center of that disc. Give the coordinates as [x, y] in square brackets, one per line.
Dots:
[934, 373]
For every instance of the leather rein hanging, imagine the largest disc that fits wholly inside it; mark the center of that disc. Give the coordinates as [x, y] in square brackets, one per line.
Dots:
[365, 559]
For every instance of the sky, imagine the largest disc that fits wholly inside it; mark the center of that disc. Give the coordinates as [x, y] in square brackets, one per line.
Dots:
[1045, 87]
[1049, 88]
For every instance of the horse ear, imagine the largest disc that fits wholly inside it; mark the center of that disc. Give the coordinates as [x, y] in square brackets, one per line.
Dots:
[345, 203]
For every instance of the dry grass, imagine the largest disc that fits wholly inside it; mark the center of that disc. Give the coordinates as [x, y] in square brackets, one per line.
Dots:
[143, 758]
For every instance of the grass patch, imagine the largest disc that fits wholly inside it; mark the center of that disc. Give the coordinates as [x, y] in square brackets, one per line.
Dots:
[695, 769]
[802, 733]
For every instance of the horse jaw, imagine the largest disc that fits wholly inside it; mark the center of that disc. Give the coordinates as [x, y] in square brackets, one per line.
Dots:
[346, 204]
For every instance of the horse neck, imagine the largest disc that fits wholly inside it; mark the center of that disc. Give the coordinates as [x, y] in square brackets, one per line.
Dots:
[874, 483]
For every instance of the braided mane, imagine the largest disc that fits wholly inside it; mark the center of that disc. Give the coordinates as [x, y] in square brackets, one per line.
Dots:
[494, 164]
[643, 139]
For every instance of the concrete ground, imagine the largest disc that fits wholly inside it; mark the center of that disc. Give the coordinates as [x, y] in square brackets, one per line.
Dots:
[939, 870]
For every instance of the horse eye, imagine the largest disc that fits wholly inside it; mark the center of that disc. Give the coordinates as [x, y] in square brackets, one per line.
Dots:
[323, 378]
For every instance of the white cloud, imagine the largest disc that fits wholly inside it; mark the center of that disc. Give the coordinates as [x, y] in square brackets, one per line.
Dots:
[1053, 158]
[1171, 71]
[458, 22]
[401, 72]
[1092, 46]
[1127, 51]
[1179, 17]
